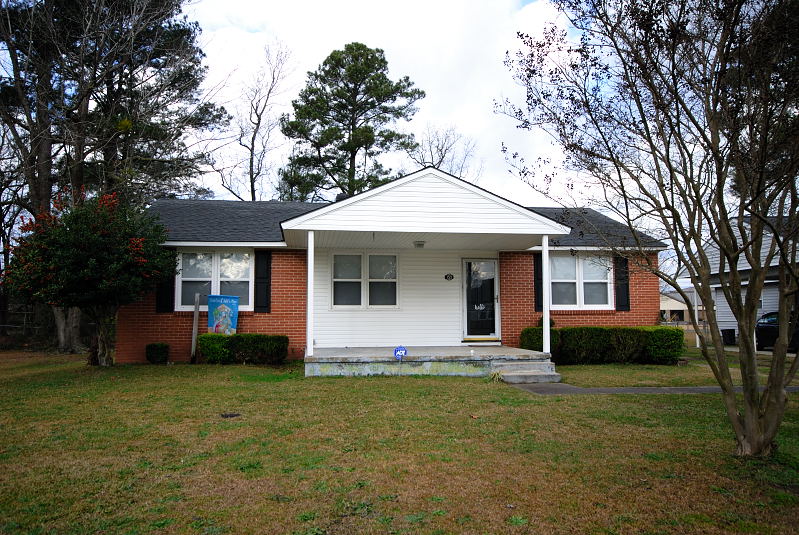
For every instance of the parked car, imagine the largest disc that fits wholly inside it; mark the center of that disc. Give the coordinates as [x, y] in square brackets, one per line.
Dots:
[766, 331]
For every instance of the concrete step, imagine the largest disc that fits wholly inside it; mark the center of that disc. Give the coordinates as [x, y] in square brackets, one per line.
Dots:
[517, 377]
[522, 366]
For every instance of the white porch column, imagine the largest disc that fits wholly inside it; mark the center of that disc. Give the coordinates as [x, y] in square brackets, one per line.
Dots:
[309, 297]
[546, 288]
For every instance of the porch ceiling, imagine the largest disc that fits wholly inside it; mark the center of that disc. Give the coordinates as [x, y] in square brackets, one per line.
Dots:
[329, 239]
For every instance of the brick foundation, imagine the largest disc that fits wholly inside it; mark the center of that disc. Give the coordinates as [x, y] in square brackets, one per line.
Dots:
[517, 300]
[139, 325]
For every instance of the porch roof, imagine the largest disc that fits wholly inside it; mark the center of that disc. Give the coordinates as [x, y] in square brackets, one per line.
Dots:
[427, 206]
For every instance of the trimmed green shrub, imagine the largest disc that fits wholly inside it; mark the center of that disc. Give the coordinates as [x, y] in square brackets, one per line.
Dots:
[599, 345]
[664, 345]
[256, 348]
[213, 348]
[628, 344]
[584, 345]
[533, 338]
[157, 352]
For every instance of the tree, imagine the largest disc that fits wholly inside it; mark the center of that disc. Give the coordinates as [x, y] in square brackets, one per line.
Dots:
[96, 255]
[685, 114]
[103, 97]
[255, 128]
[447, 150]
[342, 122]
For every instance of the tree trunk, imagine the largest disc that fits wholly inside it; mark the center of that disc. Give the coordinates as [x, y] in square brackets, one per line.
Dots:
[105, 319]
[67, 323]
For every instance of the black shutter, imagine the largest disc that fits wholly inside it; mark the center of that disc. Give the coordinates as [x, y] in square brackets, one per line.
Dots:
[263, 281]
[538, 277]
[621, 276]
[165, 295]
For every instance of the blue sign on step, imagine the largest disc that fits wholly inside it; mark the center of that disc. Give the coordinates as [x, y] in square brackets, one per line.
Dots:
[400, 352]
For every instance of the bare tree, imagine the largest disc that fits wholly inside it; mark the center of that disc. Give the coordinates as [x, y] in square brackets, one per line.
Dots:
[256, 129]
[448, 150]
[685, 113]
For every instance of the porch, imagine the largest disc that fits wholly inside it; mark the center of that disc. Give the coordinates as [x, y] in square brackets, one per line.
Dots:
[513, 364]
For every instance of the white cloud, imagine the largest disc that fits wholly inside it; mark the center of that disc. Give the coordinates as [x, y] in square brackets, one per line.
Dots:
[453, 49]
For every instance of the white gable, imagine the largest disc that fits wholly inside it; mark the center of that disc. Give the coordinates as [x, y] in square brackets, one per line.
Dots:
[427, 201]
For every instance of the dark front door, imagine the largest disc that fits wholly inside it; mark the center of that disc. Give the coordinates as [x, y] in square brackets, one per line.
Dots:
[481, 276]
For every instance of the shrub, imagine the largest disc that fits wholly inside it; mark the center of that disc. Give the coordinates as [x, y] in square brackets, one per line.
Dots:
[628, 344]
[533, 338]
[584, 345]
[258, 348]
[664, 345]
[599, 345]
[213, 348]
[157, 353]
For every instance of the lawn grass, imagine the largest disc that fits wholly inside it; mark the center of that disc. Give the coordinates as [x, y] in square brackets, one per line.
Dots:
[144, 449]
[695, 372]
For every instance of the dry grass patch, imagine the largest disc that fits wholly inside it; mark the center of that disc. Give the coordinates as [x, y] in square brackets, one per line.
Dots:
[143, 449]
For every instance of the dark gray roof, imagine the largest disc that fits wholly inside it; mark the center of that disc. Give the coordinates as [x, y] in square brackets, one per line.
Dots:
[226, 221]
[592, 229]
[238, 221]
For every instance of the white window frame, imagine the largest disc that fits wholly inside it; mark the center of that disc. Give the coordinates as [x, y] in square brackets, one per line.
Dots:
[215, 277]
[364, 280]
[578, 259]
[334, 280]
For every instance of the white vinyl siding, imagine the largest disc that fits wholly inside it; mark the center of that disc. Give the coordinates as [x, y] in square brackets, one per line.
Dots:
[430, 204]
[768, 303]
[429, 308]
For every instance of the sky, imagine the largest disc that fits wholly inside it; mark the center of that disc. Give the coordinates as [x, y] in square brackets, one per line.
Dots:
[452, 49]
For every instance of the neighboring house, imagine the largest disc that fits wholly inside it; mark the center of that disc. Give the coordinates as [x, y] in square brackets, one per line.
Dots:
[425, 260]
[672, 307]
[769, 299]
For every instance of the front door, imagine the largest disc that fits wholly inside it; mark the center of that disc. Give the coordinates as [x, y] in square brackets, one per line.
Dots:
[481, 297]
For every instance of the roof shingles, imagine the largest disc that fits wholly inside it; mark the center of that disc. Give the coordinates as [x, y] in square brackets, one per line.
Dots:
[259, 221]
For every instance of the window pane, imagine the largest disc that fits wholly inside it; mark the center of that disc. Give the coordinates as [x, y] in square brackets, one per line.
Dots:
[240, 288]
[382, 267]
[595, 269]
[347, 266]
[234, 266]
[346, 293]
[564, 293]
[563, 267]
[197, 266]
[382, 293]
[189, 288]
[596, 293]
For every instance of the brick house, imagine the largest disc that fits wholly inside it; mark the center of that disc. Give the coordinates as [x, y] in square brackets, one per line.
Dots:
[426, 260]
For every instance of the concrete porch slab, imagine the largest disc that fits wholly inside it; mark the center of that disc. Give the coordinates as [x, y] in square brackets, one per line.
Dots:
[423, 354]
[467, 361]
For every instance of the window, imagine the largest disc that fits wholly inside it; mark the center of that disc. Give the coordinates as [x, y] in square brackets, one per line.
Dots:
[580, 282]
[378, 288]
[382, 280]
[347, 279]
[225, 273]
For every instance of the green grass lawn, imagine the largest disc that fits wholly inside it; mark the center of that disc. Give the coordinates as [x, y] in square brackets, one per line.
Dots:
[144, 449]
[695, 373]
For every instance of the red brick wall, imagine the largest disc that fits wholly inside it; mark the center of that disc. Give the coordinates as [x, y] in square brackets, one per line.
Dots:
[139, 325]
[517, 300]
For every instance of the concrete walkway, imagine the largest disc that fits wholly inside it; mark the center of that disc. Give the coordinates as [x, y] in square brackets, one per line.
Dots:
[560, 389]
